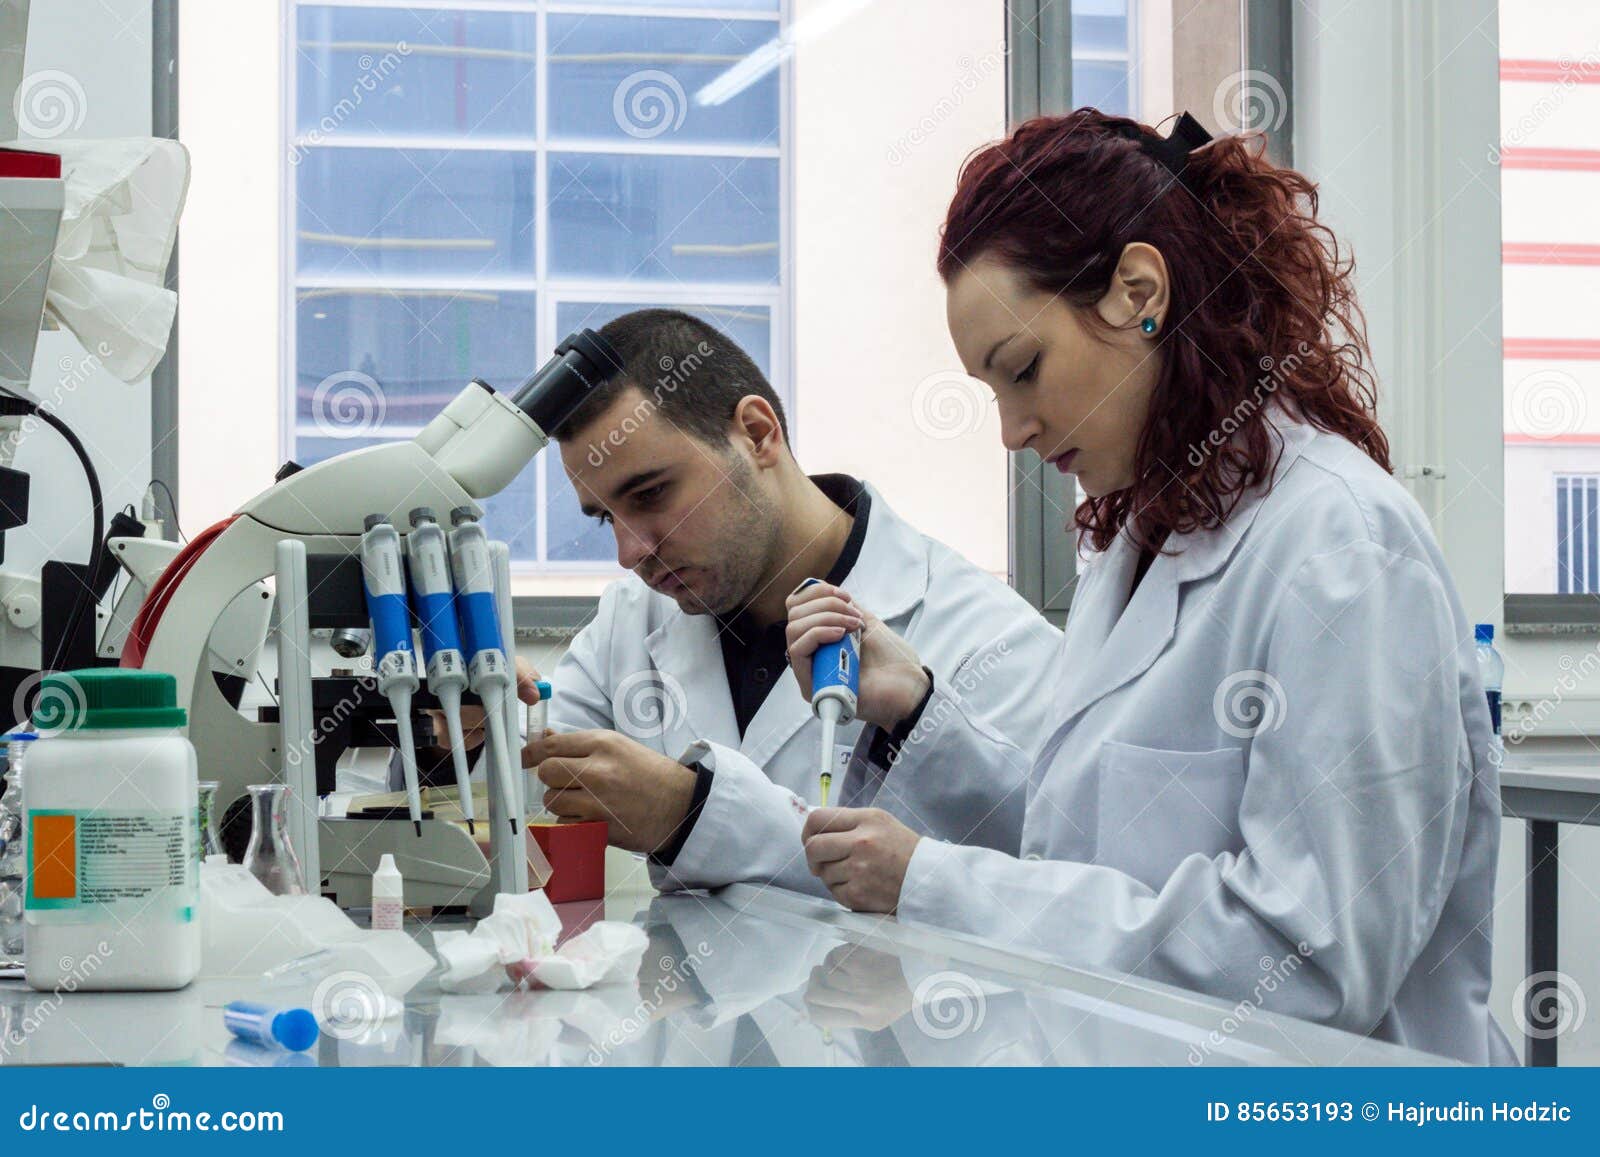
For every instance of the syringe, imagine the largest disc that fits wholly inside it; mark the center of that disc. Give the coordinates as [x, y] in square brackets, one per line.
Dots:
[432, 597]
[383, 580]
[835, 683]
[490, 675]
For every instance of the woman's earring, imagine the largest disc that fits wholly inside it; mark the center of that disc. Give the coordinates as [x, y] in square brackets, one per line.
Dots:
[1148, 325]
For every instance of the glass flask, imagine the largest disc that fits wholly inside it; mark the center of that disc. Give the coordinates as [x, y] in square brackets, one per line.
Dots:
[271, 858]
[210, 842]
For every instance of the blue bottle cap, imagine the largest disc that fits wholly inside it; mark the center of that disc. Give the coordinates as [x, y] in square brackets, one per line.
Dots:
[295, 1029]
[1483, 633]
[544, 691]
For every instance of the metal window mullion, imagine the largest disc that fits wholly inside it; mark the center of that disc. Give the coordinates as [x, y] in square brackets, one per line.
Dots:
[1041, 559]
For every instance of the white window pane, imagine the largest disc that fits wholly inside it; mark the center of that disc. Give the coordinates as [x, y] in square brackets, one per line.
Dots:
[375, 213]
[664, 218]
[411, 71]
[623, 78]
[410, 350]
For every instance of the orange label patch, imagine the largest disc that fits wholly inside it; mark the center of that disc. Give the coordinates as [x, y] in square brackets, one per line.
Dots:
[53, 848]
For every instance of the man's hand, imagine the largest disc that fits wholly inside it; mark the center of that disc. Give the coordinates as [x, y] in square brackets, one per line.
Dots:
[861, 854]
[472, 716]
[892, 679]
[601, 775]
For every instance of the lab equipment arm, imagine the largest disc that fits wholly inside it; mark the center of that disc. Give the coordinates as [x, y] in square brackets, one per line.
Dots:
[1352, 819]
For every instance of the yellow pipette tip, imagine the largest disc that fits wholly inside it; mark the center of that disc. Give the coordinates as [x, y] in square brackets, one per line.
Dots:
[827, 782]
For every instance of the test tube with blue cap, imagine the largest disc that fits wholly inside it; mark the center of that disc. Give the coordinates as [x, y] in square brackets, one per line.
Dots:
[433, 598]
[488, 670]
[294, 1029]
[835, 685]
[537, 718]
[394, 658]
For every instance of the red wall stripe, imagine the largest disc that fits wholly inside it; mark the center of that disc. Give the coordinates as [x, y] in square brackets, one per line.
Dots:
[1549, 253]
[1551, 160]
[1576, 349]
[1551, 71]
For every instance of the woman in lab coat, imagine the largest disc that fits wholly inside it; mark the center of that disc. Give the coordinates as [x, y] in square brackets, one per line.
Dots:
[1268, 773]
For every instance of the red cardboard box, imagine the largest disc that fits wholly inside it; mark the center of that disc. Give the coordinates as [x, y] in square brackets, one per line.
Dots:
[577, 855]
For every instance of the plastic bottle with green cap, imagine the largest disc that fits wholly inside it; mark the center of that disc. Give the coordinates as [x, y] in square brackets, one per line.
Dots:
[113, 855]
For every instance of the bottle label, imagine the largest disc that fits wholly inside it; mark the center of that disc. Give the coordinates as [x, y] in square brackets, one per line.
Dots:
[1494, 709]
[81, 862]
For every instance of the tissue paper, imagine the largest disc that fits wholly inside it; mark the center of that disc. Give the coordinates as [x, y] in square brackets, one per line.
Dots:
[517, 942]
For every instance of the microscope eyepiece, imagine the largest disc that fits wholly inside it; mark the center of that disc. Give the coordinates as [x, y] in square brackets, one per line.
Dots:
[583, 362]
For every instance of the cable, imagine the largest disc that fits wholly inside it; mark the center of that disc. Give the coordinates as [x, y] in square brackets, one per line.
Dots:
[84, 598]
[172, 501]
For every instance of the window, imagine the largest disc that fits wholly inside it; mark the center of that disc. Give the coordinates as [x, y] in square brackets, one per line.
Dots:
[468, 185]
[1577, 532]
[1549, 159]
[1103, 54]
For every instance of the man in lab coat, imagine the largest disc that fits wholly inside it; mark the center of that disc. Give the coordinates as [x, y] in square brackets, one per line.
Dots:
[677, 721]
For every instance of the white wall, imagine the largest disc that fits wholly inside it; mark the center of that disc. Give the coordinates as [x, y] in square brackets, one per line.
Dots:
[1397, 116]
[107, 61]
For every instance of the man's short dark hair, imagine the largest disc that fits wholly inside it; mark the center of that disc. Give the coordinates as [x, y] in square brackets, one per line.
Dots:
[690, 371]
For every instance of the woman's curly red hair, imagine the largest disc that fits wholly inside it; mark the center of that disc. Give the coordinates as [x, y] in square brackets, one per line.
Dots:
[1263, 300]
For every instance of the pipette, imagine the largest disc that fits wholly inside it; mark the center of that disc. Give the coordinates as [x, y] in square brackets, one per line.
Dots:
[394, 659]
[433, 598]
[835, 683]
[487, 670]
[537, 718]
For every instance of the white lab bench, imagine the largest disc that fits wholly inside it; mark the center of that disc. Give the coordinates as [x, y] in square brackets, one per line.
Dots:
[1546, 791]
[747, 976]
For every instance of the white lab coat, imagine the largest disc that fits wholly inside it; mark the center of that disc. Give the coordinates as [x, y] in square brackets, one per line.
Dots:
[647, 669]
[1268, 775]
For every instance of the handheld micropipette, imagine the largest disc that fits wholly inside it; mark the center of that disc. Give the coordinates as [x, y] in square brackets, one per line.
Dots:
[537, 717]
[488, 672]
[394, 659]
[835, 683]
[433, 597]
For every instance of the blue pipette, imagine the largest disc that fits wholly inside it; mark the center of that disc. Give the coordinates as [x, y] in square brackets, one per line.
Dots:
[433, 599]
[383, 580]
[488, 672]
[835, 684]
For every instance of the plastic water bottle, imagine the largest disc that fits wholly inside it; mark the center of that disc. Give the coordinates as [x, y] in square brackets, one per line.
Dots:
[13, 870]
[1492, 668]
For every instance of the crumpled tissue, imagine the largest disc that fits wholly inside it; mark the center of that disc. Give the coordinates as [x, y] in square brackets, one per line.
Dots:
[123, 198]
[517, 943]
